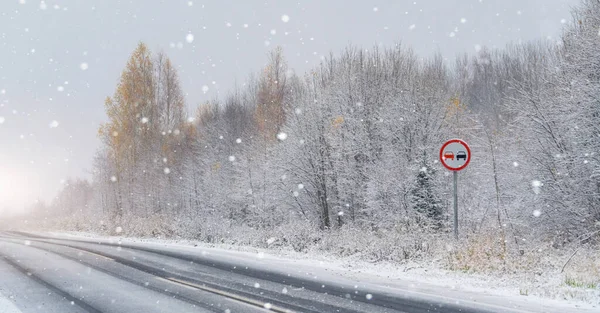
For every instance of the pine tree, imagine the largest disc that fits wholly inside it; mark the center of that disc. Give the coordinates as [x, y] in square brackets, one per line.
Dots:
[424, 198]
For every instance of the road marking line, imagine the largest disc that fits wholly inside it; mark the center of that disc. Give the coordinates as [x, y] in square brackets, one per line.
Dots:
[226, 294]
[98, 255]
[74, 247]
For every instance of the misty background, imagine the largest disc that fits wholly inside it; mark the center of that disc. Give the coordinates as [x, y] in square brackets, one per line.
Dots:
[60, 59]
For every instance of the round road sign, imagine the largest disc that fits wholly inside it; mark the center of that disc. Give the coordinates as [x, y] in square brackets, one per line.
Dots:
[455, 154]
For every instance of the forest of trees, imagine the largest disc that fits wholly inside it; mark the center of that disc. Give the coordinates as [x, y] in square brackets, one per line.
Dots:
[353, 146]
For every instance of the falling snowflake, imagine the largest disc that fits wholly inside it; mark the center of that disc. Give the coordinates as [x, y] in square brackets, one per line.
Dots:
[463, 20]
[60, 88]
[3, 91]
[204, 89]
[273, 31]
[375, 9]
[43, 5]
[296, 194]
[284, 290]
[239, 140]
[2, 119]
[423, 169]
[113, 179]
[118, 229]
[268, 306]
[189, 38]
[21, 1]
[537, 213]
[536, 184]
[144, 120]
[411, 27]
[515, 164]
[285, 18]
[27, 243]
[83, 66]
[190, 119]
[300, 186]
[477, 48]
[452, 34]
[167, 170]
[231, 158]
[282, 136]
[562, 21]
[53, 124]
[369, 296]
[256, 285]
[190, 3]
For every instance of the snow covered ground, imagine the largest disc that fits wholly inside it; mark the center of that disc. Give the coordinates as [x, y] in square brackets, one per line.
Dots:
[418, 280]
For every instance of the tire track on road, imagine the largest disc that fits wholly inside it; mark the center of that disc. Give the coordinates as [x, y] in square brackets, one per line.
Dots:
[232, 294]
[116, 275]
[63, 293]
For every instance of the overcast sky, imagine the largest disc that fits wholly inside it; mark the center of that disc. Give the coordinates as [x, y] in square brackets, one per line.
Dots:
[60, 59]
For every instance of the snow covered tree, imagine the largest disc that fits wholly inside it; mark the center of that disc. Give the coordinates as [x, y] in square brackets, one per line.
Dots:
[425, 197]
[128, 133]
[270, 108]
[348, 136]
[143, 135]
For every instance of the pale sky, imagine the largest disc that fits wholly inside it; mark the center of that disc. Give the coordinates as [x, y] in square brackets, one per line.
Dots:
[60, 59]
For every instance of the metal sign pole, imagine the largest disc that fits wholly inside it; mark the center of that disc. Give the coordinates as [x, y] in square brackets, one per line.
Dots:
[452, 153]
[455, 174]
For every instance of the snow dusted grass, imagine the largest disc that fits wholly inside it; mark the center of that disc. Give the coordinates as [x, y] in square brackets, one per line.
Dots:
[536, 270]
[382, 245]
[481, 262]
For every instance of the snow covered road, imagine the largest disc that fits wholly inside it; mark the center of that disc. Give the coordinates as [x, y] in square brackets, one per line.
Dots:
[53, 274]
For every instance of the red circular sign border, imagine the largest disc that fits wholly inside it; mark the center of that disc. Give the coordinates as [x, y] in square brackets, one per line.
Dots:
[442, 152]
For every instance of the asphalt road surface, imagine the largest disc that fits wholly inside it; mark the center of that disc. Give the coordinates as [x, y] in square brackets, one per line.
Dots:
[46, 274]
